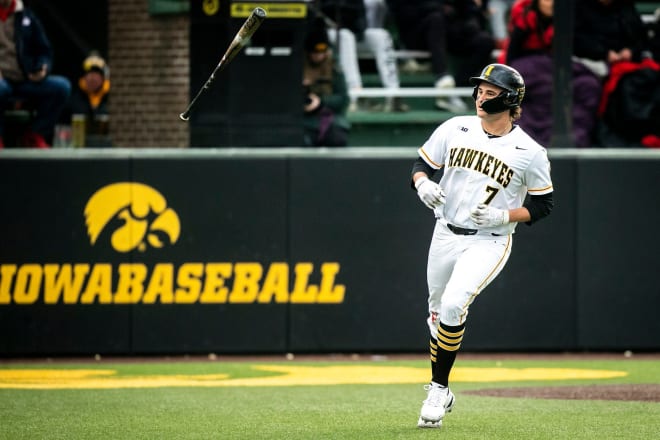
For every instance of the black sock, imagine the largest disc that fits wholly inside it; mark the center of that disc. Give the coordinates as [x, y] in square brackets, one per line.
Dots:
[433, 349]
[447, 345]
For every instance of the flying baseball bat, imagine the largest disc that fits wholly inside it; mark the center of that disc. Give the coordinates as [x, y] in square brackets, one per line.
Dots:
[241, 38]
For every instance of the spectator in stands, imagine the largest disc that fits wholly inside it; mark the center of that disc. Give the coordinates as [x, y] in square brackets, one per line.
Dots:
[611, 37]
[613, 31]
[499, 12]
[530, 52]
[25, 64]
[90, 99]
[355, 22]
[376, 11]
[654, 28]
[386, 62]
[456, 27]
[325, 92]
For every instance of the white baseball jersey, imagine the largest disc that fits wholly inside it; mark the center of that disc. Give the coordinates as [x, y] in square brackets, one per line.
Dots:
[498, 171]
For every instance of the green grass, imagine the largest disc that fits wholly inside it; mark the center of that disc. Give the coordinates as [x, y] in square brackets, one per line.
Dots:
[320, 412]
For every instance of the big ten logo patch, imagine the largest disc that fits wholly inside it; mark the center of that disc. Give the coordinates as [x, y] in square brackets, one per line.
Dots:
[135, 217]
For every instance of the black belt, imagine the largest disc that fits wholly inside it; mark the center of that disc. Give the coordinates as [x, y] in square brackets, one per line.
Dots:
[462, 231]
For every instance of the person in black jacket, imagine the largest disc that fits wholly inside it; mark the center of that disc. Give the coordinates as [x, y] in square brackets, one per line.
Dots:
[609, 30]
[26, 60]
[443, 27]
[611, 37]
[655, 35]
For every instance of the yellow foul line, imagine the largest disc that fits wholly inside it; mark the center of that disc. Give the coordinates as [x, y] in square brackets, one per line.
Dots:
[285, 375]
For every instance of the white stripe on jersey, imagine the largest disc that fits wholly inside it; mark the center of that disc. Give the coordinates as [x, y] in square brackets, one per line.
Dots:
[499, 171]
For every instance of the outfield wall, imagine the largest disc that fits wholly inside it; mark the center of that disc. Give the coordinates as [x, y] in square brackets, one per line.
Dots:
[293, 250]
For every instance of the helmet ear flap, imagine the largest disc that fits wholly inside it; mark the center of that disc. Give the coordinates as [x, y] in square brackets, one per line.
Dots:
[510, 98]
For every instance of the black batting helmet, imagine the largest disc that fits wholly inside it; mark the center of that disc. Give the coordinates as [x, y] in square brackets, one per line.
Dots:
[505, 77]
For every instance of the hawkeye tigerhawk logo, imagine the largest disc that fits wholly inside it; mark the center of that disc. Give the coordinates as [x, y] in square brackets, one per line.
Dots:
[147, 220]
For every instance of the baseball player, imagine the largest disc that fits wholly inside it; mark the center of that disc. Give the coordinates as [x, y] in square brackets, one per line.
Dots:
[494, 177]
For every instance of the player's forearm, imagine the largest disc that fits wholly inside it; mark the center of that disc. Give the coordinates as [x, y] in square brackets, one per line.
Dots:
[420, 169]
[519, 215]
[419, 175]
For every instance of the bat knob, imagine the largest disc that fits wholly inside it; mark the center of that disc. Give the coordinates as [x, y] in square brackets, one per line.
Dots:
[184, 116]
[260, 12]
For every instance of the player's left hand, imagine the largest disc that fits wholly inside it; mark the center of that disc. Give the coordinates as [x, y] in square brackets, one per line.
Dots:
[487, 216]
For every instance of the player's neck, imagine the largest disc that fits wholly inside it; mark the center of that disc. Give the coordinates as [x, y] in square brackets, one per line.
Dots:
[497, 127]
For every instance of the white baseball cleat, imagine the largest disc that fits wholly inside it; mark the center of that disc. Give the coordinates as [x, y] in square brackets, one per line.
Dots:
[421, 423]
[439, 400]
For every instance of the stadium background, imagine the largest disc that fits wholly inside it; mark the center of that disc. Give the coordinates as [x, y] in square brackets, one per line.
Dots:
[595, 260]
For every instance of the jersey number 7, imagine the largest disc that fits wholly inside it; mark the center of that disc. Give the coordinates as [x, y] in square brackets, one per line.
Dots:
[492, 191]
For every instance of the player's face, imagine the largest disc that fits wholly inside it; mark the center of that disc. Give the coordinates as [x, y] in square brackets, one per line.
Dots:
[486, 91]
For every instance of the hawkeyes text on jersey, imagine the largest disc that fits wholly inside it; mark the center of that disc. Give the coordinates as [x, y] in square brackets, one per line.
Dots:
[482, 162]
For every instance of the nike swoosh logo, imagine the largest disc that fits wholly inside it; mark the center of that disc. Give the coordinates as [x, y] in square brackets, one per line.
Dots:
[519, 148]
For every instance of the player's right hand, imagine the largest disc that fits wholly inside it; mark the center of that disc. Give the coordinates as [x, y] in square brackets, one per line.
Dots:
[429, 192]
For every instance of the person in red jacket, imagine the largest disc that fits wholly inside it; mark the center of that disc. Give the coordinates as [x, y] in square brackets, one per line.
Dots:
[531, 29]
